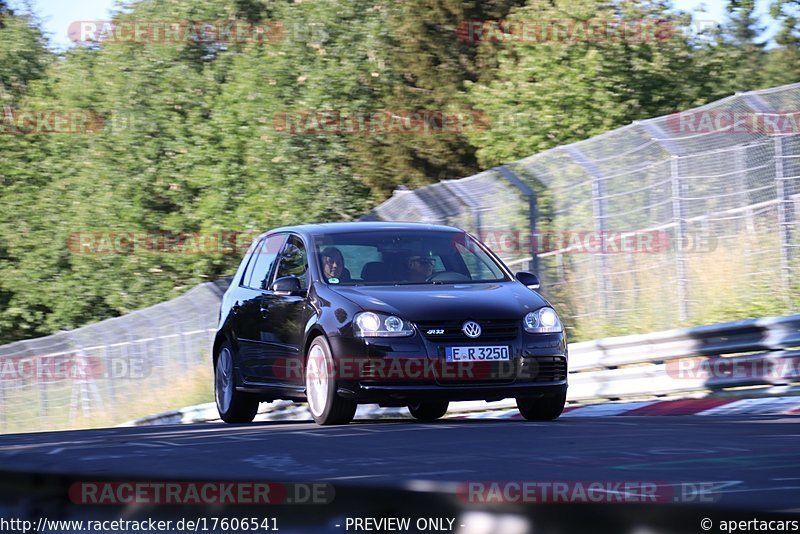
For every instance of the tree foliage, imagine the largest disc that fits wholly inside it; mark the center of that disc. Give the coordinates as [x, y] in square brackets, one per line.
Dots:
[203, 135]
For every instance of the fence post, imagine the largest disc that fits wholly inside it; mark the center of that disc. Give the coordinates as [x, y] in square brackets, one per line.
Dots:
[184, 349]
[561, 275]
[466, 200]
[111, 377]
[784, 196]
[741, 173]
[679, 218]
[740, 165]
[41, 386]
[600, 223]
[785, 216]
[657, 134]
[533, 213]
[42, 397]
[599, 215]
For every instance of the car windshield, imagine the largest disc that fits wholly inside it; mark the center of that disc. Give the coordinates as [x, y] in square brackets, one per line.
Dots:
[404, 257]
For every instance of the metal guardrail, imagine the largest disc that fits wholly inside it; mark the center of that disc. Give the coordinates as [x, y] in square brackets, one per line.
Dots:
[766, 351]
[750, 358]
[113, 370]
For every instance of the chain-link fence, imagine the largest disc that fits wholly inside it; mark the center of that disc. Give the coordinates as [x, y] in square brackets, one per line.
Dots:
[114, 370]
[677, 220]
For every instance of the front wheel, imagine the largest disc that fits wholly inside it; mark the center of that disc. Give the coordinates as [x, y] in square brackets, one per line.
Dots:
[233, 406]
[326, 407]
[428, 410]
[546, 408]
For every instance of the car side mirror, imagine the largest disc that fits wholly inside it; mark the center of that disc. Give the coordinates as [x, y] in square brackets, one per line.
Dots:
[528, 279]
[287, 285]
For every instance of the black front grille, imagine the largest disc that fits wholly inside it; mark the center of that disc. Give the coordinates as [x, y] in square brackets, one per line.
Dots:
[479, 373]
[490, 331]
[544, 369]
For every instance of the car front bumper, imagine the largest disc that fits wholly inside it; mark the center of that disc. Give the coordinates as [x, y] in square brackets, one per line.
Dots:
[402, 370]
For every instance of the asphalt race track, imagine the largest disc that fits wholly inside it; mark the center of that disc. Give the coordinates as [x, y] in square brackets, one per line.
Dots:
[741, 461]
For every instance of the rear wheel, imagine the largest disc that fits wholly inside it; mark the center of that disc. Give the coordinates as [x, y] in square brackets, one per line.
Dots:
[428, 410]
[233, 406]
[546, 408]
[325, 405]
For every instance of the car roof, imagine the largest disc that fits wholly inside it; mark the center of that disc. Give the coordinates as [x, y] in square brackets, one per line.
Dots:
[365, 226]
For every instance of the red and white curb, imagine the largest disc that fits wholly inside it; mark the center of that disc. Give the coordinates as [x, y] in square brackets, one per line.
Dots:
[703, 406]
[284, 410]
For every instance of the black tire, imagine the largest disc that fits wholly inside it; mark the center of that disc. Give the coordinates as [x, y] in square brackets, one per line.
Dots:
[325, 405]
[546, 408]
[428, 410]
[233, 406]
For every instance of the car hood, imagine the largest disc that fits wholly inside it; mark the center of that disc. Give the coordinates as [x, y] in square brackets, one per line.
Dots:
[505, 300]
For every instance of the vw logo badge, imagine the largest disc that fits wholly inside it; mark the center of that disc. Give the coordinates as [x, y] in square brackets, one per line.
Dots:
[471, 329]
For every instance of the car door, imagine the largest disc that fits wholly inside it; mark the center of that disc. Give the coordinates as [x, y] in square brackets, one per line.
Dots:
[232, 302]
[257, 349]
[285, 313]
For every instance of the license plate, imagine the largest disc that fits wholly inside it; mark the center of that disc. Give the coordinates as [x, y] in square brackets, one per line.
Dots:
[477, 354]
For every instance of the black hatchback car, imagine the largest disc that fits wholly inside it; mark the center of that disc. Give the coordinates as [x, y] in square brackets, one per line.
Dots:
[399, 314]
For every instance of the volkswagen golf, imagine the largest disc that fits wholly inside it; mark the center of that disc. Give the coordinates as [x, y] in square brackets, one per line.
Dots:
[398, 314]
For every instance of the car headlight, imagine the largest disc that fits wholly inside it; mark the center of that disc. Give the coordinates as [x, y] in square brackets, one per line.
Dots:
[370, 324]
[542, 321]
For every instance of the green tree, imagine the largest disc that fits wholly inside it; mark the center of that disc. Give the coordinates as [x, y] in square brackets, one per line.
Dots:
[188, 145]
[23, 53]
[428, 61]
[24, 58]
[745, 32]
[782, 64]
[549, 90]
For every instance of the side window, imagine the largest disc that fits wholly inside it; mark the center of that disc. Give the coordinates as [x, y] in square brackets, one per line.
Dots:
[478, 263]
[264, 259]
[252, 254]
[294, 261]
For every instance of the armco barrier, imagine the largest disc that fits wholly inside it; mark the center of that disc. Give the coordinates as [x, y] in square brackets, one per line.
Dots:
[755, 354]
[112, 370]
[176, 336]
[748, 358]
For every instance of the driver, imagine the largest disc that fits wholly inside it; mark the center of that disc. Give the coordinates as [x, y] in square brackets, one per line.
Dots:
[333, 264]
[419, 267]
